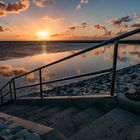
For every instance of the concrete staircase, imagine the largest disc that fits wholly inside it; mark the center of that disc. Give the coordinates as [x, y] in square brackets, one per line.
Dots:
[74, 123]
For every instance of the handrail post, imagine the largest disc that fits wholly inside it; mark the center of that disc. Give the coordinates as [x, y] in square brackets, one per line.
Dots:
[114, 67]
[1, 97]
[14, 87]
[40, 82]
[10, 90]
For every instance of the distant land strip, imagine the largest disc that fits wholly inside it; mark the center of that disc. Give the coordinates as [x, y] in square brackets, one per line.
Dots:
[77, 41]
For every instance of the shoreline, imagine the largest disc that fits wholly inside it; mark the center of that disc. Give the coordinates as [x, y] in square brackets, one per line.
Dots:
[127, 81]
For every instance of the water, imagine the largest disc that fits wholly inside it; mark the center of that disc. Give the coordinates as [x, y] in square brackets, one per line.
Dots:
[20, 57]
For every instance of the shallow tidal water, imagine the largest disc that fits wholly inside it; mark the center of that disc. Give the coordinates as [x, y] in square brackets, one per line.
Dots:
[19, 57]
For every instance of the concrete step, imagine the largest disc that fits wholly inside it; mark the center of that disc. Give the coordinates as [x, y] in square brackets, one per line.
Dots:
[79, 121]
[38, 110]
[12, 108]
[21, 112]
[45, 114]
[134, 133]
[60, 117]
[114, 125]
[46, 133]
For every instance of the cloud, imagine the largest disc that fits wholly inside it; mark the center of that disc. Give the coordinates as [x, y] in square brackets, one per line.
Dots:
[3, 29]
[135, 25]
[78, 7]
[119, 21]
[72, 27]
[120, 32]
[13, 7]
[54, 35]
[126, 19]
[81, 25]
[83, 1]
[100, 27]
[84, 25]
[52, 20]
[42, 3]
[136, 16]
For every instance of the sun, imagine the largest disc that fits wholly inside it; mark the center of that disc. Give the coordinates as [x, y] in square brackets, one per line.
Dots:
[43, 34]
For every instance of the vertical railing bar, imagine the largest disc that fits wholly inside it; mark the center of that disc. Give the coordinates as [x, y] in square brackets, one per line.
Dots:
[1, 97]
[10, 86]
[14, 88]
[40, 81]
[114, 67]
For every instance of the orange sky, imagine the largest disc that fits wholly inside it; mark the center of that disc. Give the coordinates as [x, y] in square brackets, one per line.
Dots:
[67, 20]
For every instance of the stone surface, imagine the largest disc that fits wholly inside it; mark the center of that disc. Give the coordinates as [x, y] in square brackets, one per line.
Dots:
[127, 81]
[115, 125]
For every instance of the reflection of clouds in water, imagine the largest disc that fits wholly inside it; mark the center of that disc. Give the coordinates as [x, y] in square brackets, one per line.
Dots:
[124, 59]
[126, 53]
[109, 57]
[47, 75]
[135, 56]
[100, 51]
[83, 55]
[8, 71]
[78, 71]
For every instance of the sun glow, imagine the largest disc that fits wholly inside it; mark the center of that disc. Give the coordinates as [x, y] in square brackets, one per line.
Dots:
[42, 35]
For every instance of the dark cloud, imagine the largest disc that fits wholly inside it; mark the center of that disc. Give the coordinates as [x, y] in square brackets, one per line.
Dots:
[54, 35]
[100, 27]
[13, 7]
[84, 25]
[3, 29]
[135, 25]
[126, 19]
[73, 27]
[119, 21]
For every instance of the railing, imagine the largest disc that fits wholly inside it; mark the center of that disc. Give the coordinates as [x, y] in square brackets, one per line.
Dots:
[12, 86]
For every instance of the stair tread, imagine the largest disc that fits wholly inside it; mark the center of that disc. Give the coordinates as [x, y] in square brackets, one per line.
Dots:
[46, 114]
[11, 109]
[21, 112]
[112, 125]
[35, 111]
[134, 132]
[60, 117]
[8, 107]
[79, 121]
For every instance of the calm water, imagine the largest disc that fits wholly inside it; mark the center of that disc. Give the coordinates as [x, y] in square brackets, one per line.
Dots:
[20, 57]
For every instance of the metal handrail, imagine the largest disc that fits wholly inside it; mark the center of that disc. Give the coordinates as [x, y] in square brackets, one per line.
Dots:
[68, 78]
[85, 50]
[114, 39]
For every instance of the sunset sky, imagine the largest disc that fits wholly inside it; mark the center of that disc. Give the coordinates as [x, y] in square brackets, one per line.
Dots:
[67, 19]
